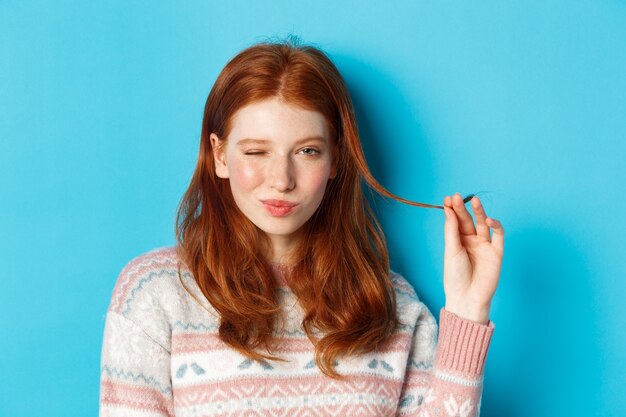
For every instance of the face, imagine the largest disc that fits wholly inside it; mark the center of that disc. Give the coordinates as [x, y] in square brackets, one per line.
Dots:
[278, 159]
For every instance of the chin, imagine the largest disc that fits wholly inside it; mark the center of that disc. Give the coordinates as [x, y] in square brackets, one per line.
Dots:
[282, 232]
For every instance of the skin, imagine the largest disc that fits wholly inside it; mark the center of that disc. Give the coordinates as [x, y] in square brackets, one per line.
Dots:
[290, 158]
[472, 259]
[287, 166]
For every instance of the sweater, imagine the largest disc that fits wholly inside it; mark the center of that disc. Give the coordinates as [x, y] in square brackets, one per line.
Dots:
[161, 356]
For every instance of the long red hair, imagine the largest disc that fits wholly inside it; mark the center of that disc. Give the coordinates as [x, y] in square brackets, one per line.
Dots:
[340, 271]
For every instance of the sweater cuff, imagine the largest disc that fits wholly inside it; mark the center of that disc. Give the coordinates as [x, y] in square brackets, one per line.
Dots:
[463, 344]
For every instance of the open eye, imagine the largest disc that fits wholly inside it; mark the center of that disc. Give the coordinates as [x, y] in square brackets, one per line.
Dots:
[309, 151]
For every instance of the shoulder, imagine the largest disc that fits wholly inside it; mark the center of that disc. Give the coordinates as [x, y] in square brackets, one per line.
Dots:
[147, 280]
[146, 295]
[411, 310]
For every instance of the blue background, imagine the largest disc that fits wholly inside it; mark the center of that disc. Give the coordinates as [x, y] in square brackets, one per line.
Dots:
[100, 112]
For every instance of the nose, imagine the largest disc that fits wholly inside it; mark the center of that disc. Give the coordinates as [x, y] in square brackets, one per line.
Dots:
[281, 175]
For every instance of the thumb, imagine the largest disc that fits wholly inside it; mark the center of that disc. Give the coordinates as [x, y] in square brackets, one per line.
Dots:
[451, 232]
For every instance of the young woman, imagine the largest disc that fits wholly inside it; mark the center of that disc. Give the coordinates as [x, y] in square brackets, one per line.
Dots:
[278, 299]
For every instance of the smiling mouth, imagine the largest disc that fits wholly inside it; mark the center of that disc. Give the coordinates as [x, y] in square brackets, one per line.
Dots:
[279, 208]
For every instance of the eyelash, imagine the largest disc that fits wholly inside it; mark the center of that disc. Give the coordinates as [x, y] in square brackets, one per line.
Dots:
[315, 151]
[259, 152]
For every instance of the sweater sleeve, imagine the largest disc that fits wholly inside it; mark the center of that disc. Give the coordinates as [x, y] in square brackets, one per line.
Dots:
[135, 372]
[446, 380]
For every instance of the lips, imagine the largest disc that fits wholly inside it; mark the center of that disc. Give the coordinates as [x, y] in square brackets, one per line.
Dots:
[279, 208]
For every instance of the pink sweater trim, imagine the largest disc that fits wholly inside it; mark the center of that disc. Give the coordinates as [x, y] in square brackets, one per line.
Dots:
[463, 345]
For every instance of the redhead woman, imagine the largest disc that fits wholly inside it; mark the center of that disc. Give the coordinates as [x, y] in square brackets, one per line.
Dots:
[278, 299]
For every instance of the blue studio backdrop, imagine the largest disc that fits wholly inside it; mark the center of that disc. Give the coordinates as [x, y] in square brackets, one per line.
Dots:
[525, 102]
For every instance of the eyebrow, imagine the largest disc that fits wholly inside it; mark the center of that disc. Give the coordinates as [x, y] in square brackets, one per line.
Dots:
[250, 141]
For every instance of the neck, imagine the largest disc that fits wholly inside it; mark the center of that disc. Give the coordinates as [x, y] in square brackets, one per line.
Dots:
[281, 249]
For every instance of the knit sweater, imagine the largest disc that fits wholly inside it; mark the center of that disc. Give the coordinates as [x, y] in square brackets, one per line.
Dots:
[162, 356]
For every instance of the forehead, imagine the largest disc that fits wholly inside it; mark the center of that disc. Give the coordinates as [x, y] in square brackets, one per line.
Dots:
[274, 119]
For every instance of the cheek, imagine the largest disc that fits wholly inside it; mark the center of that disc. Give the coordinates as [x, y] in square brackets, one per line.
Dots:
[316, 181]
[244, 175]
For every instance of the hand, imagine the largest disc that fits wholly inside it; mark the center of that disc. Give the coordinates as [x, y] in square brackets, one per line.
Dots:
[472, 259]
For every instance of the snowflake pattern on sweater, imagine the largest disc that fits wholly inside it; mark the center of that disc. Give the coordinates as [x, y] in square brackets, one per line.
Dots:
[161, 356]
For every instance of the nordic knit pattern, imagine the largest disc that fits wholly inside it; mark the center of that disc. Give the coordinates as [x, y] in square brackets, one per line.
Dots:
[162, 356]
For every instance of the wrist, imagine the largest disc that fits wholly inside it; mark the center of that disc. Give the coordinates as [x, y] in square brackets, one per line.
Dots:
[478, 315]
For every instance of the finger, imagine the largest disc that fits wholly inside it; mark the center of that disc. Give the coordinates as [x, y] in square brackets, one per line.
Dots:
[466, 223]
[451, 229]
[482, 228]
[498, 233]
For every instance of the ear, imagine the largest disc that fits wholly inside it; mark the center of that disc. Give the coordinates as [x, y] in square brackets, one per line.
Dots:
[219, 156]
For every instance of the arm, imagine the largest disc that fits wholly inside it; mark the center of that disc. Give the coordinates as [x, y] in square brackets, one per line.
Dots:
[446, 381]
[135, 372]
[449, 380]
